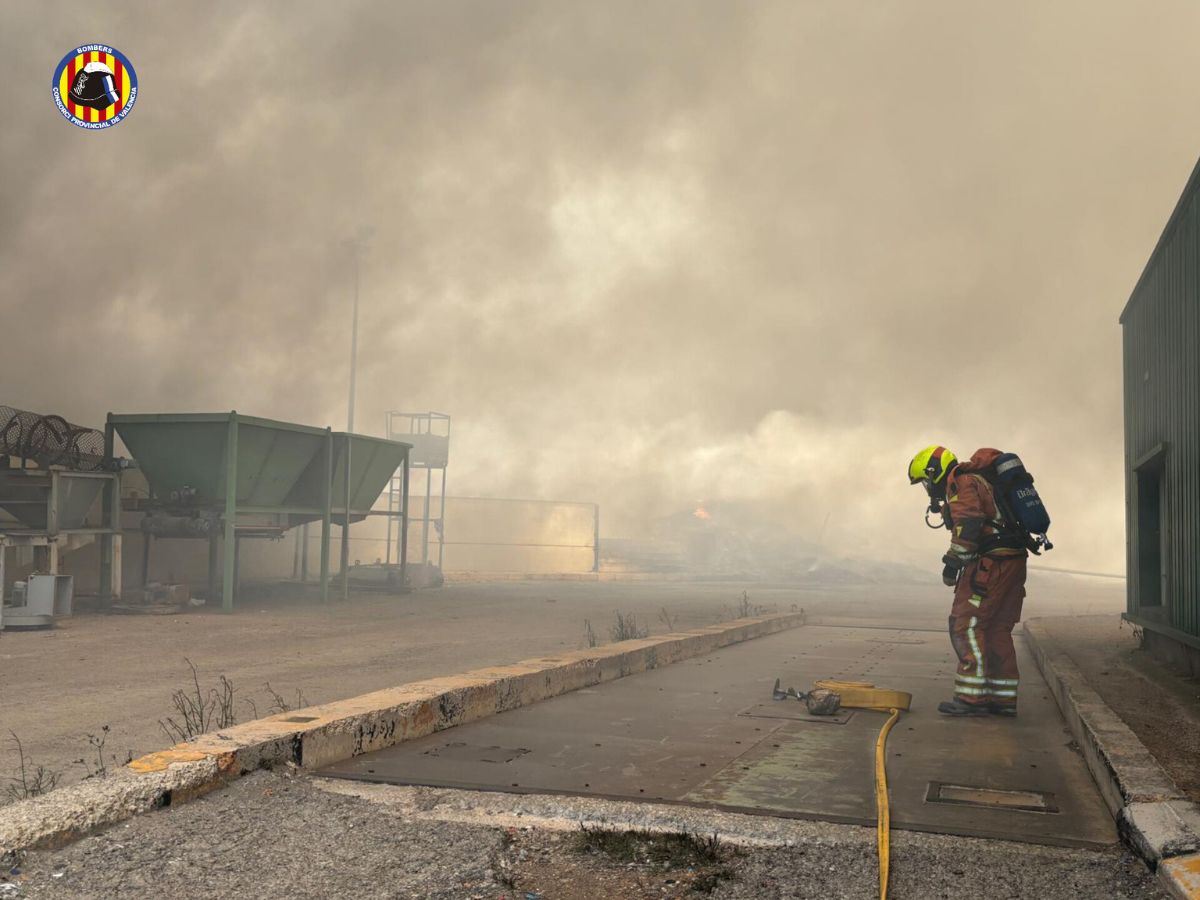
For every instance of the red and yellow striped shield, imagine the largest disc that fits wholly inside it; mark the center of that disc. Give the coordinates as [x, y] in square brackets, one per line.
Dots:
[124, 85]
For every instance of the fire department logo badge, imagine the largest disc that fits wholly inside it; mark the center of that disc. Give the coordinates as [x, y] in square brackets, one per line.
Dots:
[94, 86]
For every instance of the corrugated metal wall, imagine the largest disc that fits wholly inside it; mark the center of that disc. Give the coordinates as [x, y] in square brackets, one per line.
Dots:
[1161, 337]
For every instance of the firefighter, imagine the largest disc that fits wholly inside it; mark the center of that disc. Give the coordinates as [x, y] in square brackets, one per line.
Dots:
[986, 567]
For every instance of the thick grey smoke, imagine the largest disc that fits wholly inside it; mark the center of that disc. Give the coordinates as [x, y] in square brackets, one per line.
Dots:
[646, 253]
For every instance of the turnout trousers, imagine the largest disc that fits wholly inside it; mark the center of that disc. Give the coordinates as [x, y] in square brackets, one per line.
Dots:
[987, 605]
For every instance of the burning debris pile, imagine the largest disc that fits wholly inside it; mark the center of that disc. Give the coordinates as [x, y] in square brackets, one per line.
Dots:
[730, 543]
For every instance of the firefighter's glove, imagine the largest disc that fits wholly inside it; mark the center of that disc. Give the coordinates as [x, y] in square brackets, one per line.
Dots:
[953, 565]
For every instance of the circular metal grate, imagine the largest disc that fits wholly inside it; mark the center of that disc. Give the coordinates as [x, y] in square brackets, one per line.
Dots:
[50, 440]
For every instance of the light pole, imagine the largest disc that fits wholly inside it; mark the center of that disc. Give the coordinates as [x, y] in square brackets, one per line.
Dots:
[358, 249]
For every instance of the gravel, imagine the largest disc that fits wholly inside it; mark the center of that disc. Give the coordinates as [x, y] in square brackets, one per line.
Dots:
[276, 835]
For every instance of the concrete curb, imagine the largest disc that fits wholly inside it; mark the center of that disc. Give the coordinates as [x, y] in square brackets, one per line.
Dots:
[1181, 876]
[319, 735]
[1154, 817]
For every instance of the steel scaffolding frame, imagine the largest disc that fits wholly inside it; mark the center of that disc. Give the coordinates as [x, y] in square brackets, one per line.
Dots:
[429, 435]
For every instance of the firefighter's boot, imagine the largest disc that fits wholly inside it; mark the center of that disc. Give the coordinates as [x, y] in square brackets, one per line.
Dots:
[956, 707]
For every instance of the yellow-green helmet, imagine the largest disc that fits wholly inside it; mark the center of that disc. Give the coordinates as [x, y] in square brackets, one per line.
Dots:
[931, 465]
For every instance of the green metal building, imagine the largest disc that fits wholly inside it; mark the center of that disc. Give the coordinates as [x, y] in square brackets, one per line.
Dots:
[1161, 341]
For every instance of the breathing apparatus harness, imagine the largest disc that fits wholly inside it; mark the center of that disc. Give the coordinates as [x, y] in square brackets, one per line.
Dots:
[1022, 522]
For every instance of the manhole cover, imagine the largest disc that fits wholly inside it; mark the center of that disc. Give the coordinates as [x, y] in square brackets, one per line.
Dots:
[991, 798]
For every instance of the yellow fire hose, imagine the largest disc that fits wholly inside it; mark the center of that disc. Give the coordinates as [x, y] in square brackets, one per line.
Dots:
[864, 695]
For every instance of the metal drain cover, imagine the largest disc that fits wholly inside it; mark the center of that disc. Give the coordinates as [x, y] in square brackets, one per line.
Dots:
[991, 798]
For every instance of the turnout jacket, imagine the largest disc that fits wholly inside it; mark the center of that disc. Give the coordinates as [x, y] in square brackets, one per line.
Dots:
[977, 525]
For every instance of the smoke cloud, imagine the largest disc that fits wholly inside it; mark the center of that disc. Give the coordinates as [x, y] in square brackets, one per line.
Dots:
[647, 254]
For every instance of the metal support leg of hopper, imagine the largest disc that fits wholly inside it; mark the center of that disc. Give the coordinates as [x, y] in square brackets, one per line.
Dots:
[214, 567]
[3, 554]
[327, 504]
[230, 546]
[147, 543]
[304, 553]
[404, 526]
[106, 571]
[391, 506]
[52, 522]
[596, 538]
[109, 578]
[442, 522]
[346, 526]
[106, 540]
[114, 583]
[425, 517]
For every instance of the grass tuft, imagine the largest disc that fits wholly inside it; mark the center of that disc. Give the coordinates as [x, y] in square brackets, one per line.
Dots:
[30, 780]
[199, 712]
[626, 628]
